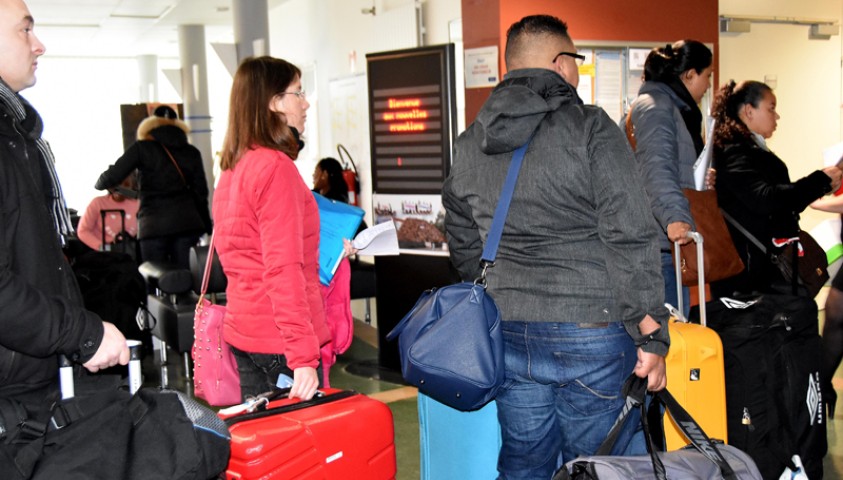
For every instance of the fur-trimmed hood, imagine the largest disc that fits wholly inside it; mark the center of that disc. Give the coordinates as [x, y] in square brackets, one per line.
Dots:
[151, 128]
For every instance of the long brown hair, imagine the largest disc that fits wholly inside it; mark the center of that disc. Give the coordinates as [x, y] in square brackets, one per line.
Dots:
[250, 121]
[731, 97]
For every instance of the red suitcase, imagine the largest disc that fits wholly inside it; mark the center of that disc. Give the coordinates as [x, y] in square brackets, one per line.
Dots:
[339, 434]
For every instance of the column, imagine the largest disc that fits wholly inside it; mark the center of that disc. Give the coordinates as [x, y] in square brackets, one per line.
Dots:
[251, 28]
[194, 80]
[148, 78]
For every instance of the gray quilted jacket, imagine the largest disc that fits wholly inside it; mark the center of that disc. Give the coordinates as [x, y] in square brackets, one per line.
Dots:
[665, 154]
[579, 244]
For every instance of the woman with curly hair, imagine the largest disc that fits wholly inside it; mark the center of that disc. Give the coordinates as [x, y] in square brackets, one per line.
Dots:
[754, 187]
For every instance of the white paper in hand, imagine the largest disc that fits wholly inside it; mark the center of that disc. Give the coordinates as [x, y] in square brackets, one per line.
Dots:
[381, 239]
[833, 155]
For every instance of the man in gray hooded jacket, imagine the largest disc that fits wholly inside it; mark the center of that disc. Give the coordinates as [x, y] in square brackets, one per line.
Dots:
[577, 275]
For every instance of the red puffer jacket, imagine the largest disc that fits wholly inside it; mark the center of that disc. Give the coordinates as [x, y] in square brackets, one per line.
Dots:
[266, 225]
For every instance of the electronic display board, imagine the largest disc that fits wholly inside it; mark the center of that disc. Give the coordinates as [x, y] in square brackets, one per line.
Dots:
[411, 118]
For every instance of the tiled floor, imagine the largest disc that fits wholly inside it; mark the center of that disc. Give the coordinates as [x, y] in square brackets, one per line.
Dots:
[402, 401]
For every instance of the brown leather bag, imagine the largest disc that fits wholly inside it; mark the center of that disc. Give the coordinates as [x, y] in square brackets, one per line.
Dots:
[720, 256]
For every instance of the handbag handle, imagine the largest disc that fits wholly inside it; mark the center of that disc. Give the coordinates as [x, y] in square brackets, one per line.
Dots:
[493, 240]
[208, 264]
[635, 390]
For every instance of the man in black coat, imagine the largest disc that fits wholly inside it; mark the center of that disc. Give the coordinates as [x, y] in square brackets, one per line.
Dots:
[41, 312]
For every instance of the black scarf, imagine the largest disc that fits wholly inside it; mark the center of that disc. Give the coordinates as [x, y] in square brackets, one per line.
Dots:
[690, 113]
[30, 122]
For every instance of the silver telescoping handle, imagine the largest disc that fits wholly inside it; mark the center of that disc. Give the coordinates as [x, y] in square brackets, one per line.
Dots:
[697, 238]
[66, 377]
[135, 378]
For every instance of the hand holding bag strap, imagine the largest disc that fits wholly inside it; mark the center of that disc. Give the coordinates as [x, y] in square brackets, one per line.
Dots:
[634, 389]
[496, 230]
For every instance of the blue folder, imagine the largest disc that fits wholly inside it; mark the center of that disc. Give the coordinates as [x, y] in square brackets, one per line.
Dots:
[337, 220]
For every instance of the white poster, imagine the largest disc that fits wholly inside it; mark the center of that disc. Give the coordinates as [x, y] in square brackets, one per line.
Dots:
[481, 67]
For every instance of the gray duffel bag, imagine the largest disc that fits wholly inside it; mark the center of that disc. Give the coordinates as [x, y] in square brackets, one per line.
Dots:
[703, 459]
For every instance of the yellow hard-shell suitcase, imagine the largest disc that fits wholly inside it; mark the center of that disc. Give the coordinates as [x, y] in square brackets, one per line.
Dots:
[695, 374]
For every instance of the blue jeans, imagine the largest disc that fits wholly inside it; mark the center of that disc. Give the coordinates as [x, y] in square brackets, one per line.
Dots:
[561, 395]
[259, 371]
[669, 274]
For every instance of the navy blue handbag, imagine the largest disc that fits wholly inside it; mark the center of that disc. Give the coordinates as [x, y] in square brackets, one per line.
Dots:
[451, 344]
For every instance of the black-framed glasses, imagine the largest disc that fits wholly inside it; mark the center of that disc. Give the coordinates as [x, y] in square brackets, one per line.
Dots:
[579, 59]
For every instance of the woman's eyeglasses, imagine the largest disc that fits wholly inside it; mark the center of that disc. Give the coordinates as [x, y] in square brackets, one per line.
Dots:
[301, 94]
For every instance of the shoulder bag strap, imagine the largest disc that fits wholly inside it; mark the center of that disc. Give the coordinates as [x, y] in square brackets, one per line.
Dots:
[794, 260]
[175, 164]
[744, 231]
[209, 262]
[493, 240]
[630, 131]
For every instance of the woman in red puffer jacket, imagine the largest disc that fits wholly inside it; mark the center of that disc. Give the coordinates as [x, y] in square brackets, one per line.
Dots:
[266, 226]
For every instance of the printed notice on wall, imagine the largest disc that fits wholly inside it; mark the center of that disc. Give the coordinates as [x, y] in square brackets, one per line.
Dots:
[481, 67]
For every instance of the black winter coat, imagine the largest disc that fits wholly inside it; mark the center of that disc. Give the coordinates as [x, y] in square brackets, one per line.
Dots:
[168, 204]
[753, 186]
[41, 311]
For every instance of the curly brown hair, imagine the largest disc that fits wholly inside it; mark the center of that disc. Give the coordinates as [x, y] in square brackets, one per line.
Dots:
[728, 102]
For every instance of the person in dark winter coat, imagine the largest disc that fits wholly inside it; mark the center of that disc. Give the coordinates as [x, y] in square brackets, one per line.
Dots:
[754, 187]
[41, 312]
[173, 192]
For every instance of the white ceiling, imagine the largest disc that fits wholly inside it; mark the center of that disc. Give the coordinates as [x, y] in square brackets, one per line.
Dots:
[127, 28]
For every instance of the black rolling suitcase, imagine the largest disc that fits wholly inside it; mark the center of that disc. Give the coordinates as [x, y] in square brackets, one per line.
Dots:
[772, 357]
[110, 283]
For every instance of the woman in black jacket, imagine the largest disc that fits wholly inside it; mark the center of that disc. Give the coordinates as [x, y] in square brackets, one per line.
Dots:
[173, 192]
[754, 187]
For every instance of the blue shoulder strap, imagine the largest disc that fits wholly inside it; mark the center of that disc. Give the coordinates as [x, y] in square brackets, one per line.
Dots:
[494, 238]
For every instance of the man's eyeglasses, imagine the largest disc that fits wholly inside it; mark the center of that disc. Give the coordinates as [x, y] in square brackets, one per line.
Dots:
[579, 59]
[301, 94]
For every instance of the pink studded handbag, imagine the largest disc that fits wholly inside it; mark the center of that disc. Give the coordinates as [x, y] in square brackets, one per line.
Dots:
[215, 375]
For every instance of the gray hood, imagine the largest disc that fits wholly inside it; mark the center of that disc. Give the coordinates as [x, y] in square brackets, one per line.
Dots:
[518, 105]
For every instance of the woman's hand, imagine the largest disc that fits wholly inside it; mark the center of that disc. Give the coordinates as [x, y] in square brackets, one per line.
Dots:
[835, 174]
[710, 179]
[678, 232]
[347, 248]
[305, 383]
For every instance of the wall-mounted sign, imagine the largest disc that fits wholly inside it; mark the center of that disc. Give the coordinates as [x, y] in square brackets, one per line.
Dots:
[411, 111]
[481, 67]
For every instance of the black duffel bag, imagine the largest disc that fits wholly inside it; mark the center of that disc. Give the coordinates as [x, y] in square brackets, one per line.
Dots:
[113, 435]
[772, 359]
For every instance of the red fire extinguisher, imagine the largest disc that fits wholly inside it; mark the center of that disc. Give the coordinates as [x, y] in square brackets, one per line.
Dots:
[350, 175]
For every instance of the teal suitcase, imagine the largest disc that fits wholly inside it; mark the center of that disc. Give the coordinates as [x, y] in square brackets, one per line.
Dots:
[458, 445]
